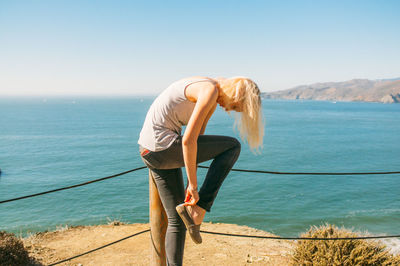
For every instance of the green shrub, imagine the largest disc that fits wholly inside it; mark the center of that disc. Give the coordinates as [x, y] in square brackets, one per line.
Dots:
[340, 252]
[12, 251]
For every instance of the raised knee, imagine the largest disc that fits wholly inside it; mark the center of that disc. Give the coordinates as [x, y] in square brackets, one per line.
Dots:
[236, 144]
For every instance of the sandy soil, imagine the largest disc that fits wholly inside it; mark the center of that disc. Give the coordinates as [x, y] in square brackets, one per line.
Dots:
[51, 247]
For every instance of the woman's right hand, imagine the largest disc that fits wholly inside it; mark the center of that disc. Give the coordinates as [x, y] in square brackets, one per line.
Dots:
[192, 196]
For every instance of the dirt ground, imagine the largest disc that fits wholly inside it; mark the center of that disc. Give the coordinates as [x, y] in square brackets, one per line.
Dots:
[51, 247]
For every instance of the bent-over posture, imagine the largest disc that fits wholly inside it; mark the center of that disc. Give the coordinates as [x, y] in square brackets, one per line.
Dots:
[191, 102]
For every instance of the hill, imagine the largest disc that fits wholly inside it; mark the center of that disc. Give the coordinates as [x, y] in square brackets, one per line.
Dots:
[382, 90]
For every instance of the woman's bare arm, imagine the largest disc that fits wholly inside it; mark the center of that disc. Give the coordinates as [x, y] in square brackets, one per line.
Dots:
[206, 100]
[203, 128]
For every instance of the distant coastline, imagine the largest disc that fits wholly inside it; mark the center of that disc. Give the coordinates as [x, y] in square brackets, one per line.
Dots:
[361, 90]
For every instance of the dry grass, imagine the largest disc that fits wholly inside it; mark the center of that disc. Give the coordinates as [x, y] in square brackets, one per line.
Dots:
[340, 252]
[114, 221]
[12, 251]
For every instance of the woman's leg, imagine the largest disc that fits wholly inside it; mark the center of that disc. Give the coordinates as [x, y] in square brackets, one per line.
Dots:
[170, 187]
[168, 177]
[220, 166]
[224, 150]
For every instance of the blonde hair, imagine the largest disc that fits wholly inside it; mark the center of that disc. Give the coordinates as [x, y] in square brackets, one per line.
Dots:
[249, 121]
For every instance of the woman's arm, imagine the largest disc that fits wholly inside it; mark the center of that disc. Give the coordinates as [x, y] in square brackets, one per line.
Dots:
[206, 100]
[203, 128]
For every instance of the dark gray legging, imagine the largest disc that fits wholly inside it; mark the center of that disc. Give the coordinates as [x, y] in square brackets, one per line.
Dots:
[166, 167]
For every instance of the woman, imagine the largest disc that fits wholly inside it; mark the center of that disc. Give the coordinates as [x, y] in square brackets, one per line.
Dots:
[191, 102]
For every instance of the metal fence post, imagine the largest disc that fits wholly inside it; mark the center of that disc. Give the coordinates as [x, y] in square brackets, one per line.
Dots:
[158, 225]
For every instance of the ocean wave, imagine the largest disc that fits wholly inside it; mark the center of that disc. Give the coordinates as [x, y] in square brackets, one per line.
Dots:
[372, 211]
[392, 245]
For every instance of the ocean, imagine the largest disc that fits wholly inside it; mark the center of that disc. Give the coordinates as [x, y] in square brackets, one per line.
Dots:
[47, 143]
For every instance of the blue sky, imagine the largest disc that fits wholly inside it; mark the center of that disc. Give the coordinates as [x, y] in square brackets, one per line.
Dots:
[140, 47]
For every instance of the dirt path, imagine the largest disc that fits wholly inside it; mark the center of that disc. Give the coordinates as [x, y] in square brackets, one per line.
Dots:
[51, 247]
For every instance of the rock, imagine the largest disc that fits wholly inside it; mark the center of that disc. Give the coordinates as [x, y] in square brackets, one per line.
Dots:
[387, 99]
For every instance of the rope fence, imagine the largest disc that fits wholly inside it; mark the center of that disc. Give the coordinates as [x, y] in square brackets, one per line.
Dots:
[301, 238]
[209, 232]
[200, 166]
[73, 186]
[93, 250]
[309, 173]
[232, 235]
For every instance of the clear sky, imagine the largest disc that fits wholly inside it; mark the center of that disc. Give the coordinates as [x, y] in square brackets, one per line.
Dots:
[140, 47]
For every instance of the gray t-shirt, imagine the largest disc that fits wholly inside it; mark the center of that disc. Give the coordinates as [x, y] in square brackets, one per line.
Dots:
[169, 112]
